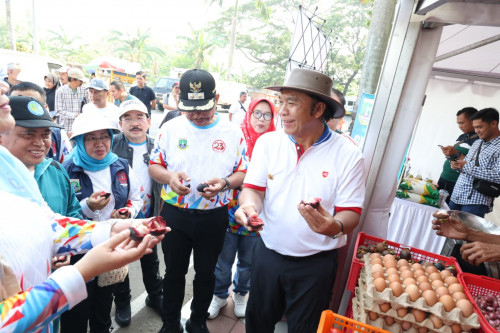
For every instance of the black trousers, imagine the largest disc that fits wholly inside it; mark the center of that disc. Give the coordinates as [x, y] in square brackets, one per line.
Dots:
[94, 310]
[203, 234]
[150, 266]
[299, 287]
[444, 184]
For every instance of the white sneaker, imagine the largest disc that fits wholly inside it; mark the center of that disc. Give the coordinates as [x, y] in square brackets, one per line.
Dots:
[215, 306]
[240, 305]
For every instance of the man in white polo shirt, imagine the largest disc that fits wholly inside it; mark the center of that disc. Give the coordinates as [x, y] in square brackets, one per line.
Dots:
[294, 264]
[197, 148]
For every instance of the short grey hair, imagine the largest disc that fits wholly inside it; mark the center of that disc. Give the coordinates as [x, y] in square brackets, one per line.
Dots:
[13, 65]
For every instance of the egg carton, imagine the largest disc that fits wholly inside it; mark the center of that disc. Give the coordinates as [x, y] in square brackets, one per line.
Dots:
[360, 313]
[453, 316]
[386, 296]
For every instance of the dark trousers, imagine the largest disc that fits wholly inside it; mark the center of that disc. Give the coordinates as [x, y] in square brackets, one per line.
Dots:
[204, 235]
[150, 266]
[298, 287]
[444, 184]
[95, 310]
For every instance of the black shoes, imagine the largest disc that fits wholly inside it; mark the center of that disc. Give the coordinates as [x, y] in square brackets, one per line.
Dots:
[122, 315]
[155, 303]
[193, 326]
[172, 328]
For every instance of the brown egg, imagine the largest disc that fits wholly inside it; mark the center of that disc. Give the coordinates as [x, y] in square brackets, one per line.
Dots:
[447, 302]
[435, 276]
[417, 267]
[402, 312]
[421, 329]
[413, 292]
[374, 261]
[377, 268]
[425, 286]
[419, 272]
[404, 268]
[455, 328]
[453, 288]
[384, 307]
[450, 280]
[397, 288]
[394, 278]
[430, 297]
[445, 273]
[458, 295]
[389, 257]
[380, 284]
[419, 315]
[465, 306]
[372, 315]
[403, 262]
[430, 269]
[390, 264]
[422, 278]
[375, 255]
[377, 274]
[391, 271]
[407, 274]
[405, 325]
[408, 281]
[440, 291]
[437, 283]
[436, 322]
[389, 320]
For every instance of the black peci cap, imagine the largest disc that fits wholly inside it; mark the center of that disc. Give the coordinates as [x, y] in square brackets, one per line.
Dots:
[29, 112]
[197, 91]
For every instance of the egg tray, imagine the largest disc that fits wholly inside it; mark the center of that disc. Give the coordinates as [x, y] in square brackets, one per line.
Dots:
[373, 296]
[360, 313]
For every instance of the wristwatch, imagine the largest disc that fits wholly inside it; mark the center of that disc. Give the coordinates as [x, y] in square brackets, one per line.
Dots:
[341, 233]
[225, 188]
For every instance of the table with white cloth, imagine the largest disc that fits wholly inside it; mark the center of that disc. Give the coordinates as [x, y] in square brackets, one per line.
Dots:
[410, 224]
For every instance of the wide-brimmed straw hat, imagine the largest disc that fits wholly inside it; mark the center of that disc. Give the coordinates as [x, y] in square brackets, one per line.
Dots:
[91, 121]
[313, 83]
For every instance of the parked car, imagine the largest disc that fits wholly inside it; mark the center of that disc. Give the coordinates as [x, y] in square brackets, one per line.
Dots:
[163, 87]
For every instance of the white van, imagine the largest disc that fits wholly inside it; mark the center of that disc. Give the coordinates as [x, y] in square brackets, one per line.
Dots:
[33, 67]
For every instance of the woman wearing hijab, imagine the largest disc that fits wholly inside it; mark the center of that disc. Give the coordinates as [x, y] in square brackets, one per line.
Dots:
[107, 188]
[51, 84]
[258, 120]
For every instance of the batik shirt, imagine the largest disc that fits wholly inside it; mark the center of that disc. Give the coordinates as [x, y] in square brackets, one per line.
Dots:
[213, 151]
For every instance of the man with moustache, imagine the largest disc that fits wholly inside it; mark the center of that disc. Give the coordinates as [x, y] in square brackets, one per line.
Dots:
[295, 274]
[134, 145]
[197, 148]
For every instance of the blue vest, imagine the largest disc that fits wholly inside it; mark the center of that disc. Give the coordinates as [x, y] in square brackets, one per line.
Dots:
[120, 182]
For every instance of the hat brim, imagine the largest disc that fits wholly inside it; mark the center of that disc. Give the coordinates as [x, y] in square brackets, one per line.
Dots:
[39, 123]
[190, 105]
[338, 109]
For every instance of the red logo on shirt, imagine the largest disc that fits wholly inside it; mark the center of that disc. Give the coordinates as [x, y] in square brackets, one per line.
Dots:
[219, 146]
[325, 174]
[122, 178]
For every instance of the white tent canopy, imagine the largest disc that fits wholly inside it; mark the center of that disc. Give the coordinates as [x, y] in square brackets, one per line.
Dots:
[422, 31]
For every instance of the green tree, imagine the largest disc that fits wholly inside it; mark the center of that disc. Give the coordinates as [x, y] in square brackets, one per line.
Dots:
[135, 48]
[197, 46]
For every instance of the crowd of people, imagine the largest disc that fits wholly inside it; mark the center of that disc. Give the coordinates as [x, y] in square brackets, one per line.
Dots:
[91, 163]
[81, 159]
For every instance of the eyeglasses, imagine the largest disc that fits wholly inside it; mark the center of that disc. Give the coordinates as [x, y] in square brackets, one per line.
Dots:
[95, 140]
[258, 114]
[131, 119]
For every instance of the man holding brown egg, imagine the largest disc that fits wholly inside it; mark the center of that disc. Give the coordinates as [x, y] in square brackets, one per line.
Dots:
[294, 264]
